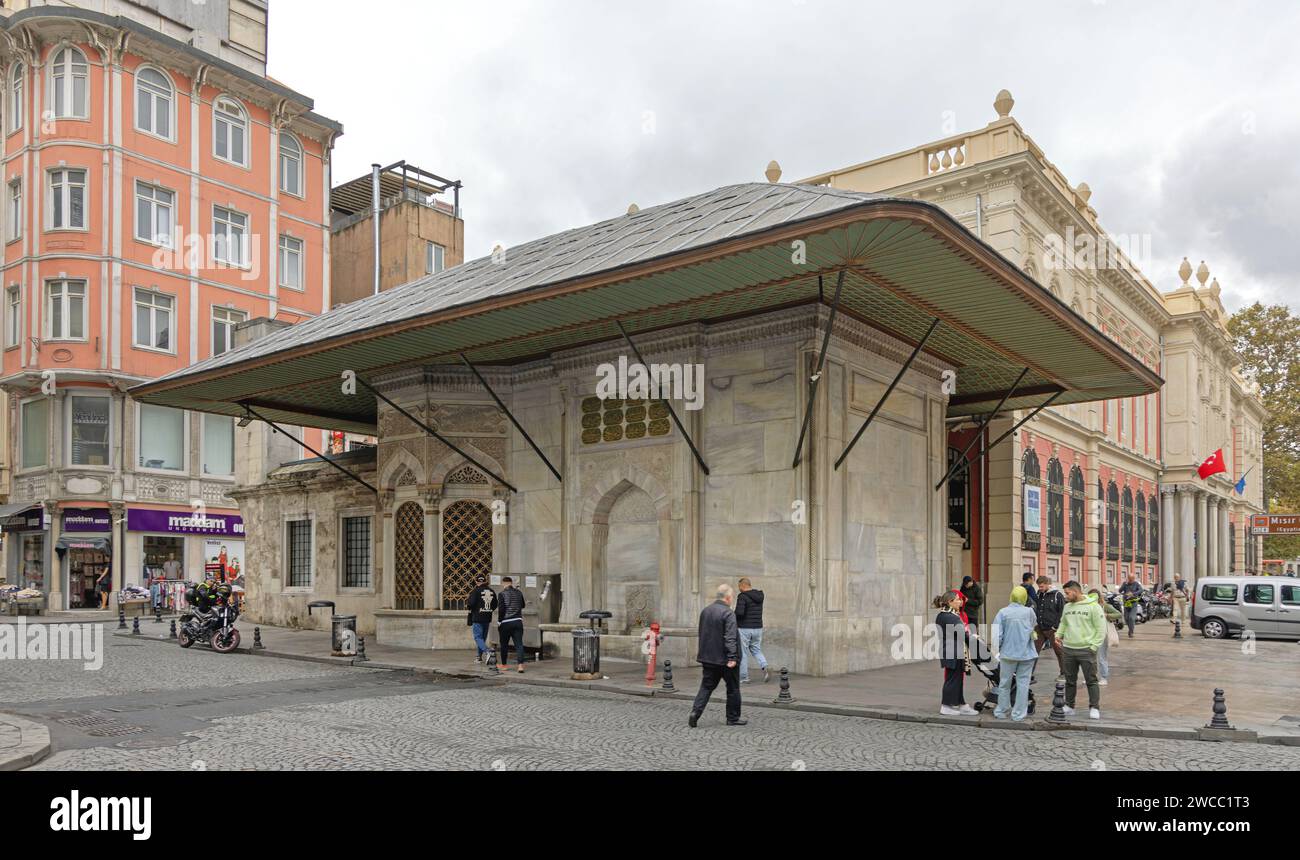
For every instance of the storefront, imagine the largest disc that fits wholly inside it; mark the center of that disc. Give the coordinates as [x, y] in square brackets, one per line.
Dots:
[85, 545]
[172, 547]
[24, 528]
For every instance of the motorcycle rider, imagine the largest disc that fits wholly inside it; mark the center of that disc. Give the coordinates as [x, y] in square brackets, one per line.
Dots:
[208, 596]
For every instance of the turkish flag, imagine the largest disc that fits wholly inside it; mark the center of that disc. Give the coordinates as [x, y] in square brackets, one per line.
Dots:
[1213, 465]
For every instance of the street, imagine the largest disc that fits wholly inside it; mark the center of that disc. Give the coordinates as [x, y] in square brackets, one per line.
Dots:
[156, 707]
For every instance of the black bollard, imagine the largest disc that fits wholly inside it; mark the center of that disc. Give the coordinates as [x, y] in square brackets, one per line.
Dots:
[257, 638]
[668, 677]
[492, 666]
[1178, 629]
[135, 626]
[1058, 703]
[361, 651]
[172, 634]
[1220, 718]
[157, 615]
[784, 697]
[121, 617]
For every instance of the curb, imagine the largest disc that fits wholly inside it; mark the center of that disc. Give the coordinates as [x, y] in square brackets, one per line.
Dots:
[1206, 735]
[33, 744]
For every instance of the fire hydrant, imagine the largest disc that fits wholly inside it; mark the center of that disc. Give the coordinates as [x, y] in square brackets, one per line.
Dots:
[650, 642]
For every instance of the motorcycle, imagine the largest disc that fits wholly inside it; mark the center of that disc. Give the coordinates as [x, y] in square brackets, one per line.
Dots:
[216, 628]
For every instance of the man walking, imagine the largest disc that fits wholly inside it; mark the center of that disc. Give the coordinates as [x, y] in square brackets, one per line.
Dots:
[510, 621]
[1013, 633]
[1131, 592]
[718, 653]
[1180, 597]
[749, 621]
[482, 600]
[1048, 608]
[1083, 627]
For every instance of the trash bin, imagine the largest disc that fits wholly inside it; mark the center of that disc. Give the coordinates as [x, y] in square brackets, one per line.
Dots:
[343, 629]
[586, 654]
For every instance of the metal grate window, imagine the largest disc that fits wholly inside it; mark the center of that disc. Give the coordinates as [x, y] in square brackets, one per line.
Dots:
[299, 554]
[356, 552]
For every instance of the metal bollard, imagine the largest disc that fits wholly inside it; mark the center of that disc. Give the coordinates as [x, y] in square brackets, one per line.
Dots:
[361, 651]
[172, 634]
[121, 617]
[257, 638]
[157, 615]
[492, 666]
[135, 626]
[784, 697]
[668, 678]
[1058, 703]
[1220, 718]
[1178, 629]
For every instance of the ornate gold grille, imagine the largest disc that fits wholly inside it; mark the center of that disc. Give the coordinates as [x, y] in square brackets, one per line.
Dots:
[466, 550]
[409, 553]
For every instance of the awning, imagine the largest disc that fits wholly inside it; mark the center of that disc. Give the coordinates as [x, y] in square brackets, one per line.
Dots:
[735, 251]
[67, 542]
[10, 510]
[22, 517]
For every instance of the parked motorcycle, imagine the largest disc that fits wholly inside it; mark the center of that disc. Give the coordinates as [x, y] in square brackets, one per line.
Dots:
[216, 628]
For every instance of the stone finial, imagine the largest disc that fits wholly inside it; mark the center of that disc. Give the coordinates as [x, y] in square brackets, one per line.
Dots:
[1083, 191]
[1214, 287]
[1185, 271]
[1003, 103]
[1202, 273]
[632, 209]
[773, 172]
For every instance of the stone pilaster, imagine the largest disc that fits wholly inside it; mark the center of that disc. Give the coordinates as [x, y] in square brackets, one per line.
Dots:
[1201, 535]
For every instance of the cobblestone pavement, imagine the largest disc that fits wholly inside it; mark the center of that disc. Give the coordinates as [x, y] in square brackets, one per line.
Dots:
[156, 707]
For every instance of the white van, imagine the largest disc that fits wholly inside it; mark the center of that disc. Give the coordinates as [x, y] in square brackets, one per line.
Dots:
[1268, 606]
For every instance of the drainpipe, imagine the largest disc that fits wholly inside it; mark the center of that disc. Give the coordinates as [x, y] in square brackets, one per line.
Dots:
[374, 200]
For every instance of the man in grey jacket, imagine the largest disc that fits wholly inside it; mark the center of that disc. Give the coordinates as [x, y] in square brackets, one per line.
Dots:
[719, 654]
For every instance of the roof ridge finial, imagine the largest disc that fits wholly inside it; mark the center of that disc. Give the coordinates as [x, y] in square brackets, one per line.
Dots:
[773, 172]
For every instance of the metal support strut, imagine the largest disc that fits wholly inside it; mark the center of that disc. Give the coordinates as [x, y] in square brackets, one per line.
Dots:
[956, 466]
[1046, 403]
[888, 391]
[502, 406]
[817, 374]
[636, 352]
[277, 428]
[435, 434]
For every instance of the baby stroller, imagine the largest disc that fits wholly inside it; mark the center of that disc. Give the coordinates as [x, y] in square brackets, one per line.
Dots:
[992, 671]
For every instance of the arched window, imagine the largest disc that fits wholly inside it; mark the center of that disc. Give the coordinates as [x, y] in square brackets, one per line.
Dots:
[1140, 514]
[68, 83]
[1153, 547]
[1055, 507]
[1112, 521]
[1032, 514]
[230, 131]
[1077, 503]
[408, 557]
[16, 76]
[1126, 511]
[154, 100]
[466, 550]
[290, 164]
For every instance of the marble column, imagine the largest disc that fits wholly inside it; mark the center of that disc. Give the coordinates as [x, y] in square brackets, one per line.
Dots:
[1200, 535]
[1211, 534]
[1186, 528]
[1167, 563]
[1225, 541]
[59, 597]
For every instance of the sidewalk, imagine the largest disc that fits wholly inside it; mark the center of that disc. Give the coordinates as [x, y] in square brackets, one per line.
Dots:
[1159, 687]
[22, 743]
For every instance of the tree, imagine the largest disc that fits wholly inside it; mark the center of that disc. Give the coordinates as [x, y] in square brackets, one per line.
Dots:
[1268, 341]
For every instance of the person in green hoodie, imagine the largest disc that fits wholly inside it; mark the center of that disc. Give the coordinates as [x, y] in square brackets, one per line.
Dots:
[1082, 630]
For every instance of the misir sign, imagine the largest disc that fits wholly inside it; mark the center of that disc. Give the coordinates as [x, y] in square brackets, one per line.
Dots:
[1275, 524]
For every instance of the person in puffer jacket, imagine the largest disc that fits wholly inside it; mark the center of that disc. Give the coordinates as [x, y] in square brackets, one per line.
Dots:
[510, 621]
[749, 621]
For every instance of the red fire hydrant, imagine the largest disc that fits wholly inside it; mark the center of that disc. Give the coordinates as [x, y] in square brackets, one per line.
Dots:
[650, 641]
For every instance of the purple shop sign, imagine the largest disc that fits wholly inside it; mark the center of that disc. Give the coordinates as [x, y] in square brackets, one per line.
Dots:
[87, 520]
[184, 522]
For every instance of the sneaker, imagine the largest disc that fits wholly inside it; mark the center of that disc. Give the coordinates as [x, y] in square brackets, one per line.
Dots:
[998, 716]
[1067, 710]
[744, 680]
[767, 676]
[948, 711]
[694, 719]
[1102, 682]
[967, 711]
[1094, 714]
[737, 722]
[521, 668]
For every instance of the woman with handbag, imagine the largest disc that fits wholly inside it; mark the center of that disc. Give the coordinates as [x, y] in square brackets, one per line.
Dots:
[1112, 637]
[953, 637]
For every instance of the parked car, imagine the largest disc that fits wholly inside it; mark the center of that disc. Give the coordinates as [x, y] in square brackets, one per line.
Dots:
[1268, 606]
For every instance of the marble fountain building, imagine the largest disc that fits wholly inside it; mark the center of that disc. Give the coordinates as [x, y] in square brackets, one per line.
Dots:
[839, 333]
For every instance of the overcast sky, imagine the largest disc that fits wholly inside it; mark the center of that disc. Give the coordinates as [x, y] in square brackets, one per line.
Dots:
[1183, 117]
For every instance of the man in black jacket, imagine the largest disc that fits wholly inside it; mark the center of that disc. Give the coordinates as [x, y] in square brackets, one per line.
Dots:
[749, 623]
[1027, 583]
[1048, 607]
[510, 621]
[718, 653]
[482, 600]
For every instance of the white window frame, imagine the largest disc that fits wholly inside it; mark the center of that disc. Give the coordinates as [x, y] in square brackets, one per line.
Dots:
[18, 433]
[65, 299]
[220, 217]
[172, 315]
[285, 252]
[151, 90]
[14, 209]
[13, 316]
[221, 116]
[157, 237]
[342, 543]
[70, 73]
[67, 426]
[430, 258]
[228, 324]
[63, 190]
[297, 159]
[310, 519]
[17, 83]
[203, 447]
[185, 442]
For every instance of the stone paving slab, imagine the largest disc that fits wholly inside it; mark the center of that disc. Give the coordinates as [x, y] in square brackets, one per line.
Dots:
[22, 742]
[1159, 687]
